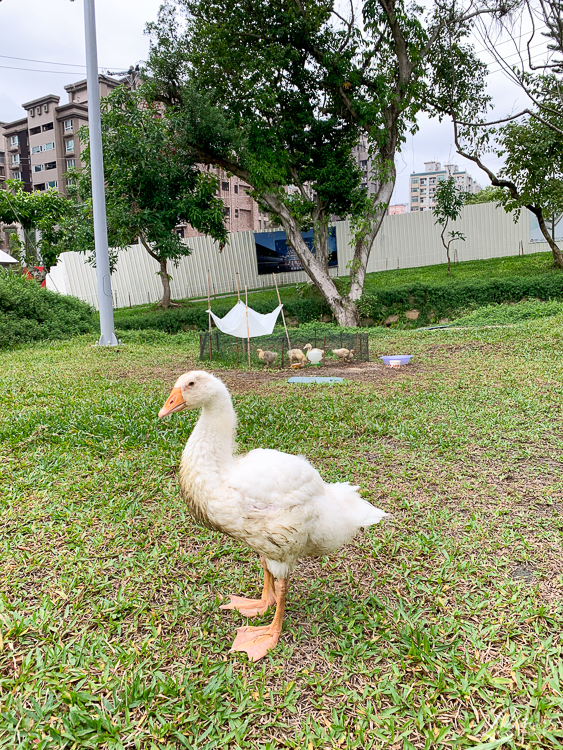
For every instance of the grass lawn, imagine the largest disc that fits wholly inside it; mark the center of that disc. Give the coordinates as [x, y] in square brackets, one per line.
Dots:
[440, 629]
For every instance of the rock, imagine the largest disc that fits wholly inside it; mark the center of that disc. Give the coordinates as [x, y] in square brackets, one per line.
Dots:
[292, 321]
[326, 318]
[390, 319]
[443, 321]
[412, 314]
[367, 322]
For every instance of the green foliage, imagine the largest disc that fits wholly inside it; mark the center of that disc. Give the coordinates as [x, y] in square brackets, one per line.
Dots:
[153, 184]
[38, 211]
[30, 313]
[509, 314]
[449, 202]
[533, 161]
[489, 194]
[435, 301]
[279, 93]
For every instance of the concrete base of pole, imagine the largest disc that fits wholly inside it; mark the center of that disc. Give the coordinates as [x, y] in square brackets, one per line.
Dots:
[110, 340]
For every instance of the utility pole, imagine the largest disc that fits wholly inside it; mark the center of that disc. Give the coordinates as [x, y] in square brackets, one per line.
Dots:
[105, 300]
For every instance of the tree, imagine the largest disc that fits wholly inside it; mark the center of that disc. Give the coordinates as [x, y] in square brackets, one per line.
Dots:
[278, 92]
[449, 202]
[37, 212]
[152, 185]
[489, 194]
[532, 150]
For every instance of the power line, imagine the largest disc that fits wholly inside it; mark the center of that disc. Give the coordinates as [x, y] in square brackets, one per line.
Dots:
[37, 70]
[54, 62]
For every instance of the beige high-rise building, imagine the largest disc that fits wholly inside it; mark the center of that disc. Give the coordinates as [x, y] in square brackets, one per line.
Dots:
[423, 184]
[42, 146]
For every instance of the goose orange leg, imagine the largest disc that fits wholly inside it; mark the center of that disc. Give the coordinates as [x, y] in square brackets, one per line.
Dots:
[258, 641]
[253, 607]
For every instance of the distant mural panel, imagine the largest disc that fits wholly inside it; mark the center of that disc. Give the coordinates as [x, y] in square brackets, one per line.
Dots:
[275, 255]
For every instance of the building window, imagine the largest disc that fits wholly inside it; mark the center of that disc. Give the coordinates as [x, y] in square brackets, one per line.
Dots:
[225, 187]
[36, 149]
[70, 163]
[47, 126]
[414, 199]
[432, 181]
[34, 131]
[32, 112]
[69, 145]
[236, 188]
[226, 212]
[68, 126]
[49, 146]
[14, 140]
[441, 178]
[414, 208]
[51, 165]
[414, 190]
[40, 186]
[45, 108]
[17, 176]
[38, 110]
[414, 180]
[38, 168]
[423, 180]
[236, 213]
[180, 232]
[52, 184]
[16, 159]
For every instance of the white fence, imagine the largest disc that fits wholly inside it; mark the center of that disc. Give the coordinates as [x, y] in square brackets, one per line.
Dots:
[404, 241]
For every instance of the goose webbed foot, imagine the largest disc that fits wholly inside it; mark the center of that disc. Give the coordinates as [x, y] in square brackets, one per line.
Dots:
[253, 607]
[255, 641]
[249, 607]
[258, 641]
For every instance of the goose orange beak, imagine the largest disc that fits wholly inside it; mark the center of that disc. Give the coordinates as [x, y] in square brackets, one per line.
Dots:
[174, 402]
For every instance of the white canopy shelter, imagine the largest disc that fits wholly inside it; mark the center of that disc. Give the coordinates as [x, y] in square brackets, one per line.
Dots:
[234, 322]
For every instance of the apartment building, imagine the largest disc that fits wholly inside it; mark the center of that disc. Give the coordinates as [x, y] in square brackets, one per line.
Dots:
[423, 184]
[42, 146]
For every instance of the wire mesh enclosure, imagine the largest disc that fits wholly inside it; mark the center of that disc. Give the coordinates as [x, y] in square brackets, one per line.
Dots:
[233, 351]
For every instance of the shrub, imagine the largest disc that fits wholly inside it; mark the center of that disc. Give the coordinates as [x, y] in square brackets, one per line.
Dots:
[30, 313]
[447, 300]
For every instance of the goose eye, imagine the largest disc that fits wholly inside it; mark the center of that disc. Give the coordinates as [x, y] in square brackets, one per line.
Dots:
[191, 382]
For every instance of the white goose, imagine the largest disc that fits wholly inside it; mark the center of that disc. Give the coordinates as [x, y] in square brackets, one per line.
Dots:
[274, 502]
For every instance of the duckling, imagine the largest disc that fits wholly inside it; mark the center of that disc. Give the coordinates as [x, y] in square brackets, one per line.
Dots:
[344, 355]
[296, 356]
[266, 357]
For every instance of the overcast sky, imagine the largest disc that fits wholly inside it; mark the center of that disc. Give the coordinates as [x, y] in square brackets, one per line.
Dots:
[50, 35]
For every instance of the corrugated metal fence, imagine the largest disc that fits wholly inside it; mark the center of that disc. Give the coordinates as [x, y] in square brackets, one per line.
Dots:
[404, 241]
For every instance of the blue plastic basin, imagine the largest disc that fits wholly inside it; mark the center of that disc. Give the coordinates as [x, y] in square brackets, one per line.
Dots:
[315, 380]
[397, 359]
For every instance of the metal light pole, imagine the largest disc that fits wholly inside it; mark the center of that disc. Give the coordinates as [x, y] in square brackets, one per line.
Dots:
[105, 301]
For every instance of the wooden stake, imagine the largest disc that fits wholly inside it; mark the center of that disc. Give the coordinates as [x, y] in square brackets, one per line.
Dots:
[247, 328]
[282, 353]
[283, 316]
[209, 316]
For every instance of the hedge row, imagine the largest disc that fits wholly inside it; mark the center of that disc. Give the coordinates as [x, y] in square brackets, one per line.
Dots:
[447, 300]
[432, 301]
[30, 313]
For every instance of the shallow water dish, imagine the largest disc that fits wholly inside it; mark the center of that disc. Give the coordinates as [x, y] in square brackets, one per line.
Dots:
[397, 360]
[315, 380]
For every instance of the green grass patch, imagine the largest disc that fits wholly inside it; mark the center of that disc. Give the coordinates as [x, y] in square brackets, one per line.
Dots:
[517, 312]
[440, 629]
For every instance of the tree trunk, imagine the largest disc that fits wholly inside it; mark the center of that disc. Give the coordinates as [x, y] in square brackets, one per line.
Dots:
[557, 254]
[163, 273]
[447, 246]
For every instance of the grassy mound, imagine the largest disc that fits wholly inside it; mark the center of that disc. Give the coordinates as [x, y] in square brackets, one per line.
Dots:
[30, 313]
[509, 314]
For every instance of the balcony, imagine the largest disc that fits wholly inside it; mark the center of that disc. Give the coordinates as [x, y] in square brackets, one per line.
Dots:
[13, 146]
